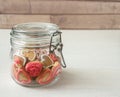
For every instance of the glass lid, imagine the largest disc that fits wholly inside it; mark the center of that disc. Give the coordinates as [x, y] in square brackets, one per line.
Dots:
[34, 28]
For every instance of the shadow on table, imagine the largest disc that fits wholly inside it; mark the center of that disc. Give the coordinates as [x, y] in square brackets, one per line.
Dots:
[67, 79]
[85, 78]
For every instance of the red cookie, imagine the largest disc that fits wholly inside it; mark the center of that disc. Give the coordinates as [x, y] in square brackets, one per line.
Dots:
[19, 60]
[34, 68]
[56, 69]
[14, 70]
[23, 77]
[44, 77]
[53, 57]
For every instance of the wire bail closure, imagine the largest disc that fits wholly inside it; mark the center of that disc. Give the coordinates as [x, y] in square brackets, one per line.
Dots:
[58, 46]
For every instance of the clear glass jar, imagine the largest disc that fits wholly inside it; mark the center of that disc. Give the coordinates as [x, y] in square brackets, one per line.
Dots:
[36, 54]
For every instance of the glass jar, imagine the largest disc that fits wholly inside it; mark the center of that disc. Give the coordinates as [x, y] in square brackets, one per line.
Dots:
[36, 54]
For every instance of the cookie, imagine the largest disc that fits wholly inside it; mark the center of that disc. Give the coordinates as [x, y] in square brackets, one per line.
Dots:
[23, 77]
[14, 70]
[46, 60]
[53, 57]
[44, 77]
[29, 53]
[39, 52]
[19, 60]
[56, 69]
[33, 68]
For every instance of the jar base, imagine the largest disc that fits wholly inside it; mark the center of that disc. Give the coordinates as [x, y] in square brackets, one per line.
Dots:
[34, 84]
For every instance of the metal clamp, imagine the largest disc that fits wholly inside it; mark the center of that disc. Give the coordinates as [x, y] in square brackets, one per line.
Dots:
[58, 46]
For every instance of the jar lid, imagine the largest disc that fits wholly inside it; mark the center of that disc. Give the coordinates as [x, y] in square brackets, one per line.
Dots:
[34, 29]
[33, 34]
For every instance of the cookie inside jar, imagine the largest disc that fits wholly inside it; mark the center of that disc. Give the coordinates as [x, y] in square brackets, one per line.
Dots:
[35, 66]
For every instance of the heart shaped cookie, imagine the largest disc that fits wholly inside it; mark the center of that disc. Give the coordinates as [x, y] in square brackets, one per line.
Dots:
[14, 70]
[53, 57]
[44, 77]
[29, 53]
[56, 69]
[19, 61]
[46, 60]
[23, 77]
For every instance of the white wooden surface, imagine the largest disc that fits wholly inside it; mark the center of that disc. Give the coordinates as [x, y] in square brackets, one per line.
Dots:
[93, 66]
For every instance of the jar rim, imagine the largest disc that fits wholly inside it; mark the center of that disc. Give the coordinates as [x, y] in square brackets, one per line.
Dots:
[40, 28]
[33, 33]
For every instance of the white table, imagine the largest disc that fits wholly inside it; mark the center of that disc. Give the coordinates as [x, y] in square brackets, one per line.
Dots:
[93, 66]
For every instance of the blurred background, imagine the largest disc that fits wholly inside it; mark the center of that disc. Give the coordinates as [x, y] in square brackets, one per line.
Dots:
[67, 14]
